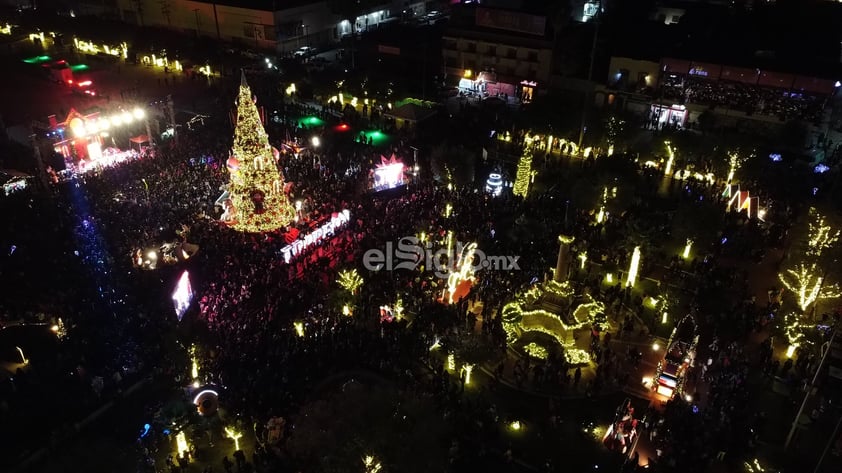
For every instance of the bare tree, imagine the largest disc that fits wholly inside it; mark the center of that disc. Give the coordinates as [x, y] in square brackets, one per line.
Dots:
[166, 10]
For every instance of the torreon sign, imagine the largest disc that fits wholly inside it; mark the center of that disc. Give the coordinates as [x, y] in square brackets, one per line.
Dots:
[327, 229]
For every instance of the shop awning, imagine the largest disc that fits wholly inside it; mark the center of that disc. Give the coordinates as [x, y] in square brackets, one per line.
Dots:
[139, 139]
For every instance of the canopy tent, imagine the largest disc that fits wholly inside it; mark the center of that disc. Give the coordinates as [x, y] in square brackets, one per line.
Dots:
[140, 141]
[410, 114]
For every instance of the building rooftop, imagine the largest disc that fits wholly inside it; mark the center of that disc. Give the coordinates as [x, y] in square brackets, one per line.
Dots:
[801, 41]
[263, 5]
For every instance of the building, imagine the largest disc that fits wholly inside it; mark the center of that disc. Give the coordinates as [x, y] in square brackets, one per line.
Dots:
[632, 75]
[676, 92]
[283, 25]
[495, 51]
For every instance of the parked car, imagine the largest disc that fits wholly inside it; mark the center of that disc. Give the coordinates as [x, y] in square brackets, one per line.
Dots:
[304, 51]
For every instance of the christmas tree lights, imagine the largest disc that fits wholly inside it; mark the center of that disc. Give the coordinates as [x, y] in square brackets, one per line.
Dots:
[634, 265]
[524, 173]
[256, 201]
[822, 236]
[808, 285]
[372, 464]
[687, 247]
[536, 351]
[671, 160]
[350, 280]
[793, 329]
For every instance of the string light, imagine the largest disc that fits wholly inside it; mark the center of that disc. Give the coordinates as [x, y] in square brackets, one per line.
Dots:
[576, 356]
[671, 154]
[451, 362]
[467, 368]
[350, 280]
[372, 465]
[583, 257]
[734, 161]
[466, 269]
[790, 350]
[536, 351]
[181, 444]
[687, 246]
[633, 267]
[194, 364]
[524, 173]
[234, 435]
[822, 236]
[299, 328]
[793, 329]
[807, 285]
[256, 186]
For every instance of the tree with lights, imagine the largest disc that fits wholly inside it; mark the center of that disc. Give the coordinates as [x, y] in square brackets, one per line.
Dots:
[808, 279]
[350, 280]
[255, 200]
[524, 172]
[808, 284]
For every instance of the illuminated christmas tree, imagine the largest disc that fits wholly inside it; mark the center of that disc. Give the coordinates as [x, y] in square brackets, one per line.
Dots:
[255, 200]
[524, 173]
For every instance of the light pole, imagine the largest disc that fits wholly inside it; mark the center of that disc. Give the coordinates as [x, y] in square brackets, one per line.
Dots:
[587, 104]
[829, 443]
[809, 390]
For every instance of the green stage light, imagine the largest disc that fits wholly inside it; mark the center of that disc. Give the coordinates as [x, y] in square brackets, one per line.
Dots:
[37, 59]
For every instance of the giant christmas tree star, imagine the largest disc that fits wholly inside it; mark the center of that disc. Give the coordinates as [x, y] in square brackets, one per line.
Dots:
[256, 201]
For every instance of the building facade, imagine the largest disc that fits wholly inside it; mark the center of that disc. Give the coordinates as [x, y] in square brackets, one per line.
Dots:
[512, 47]
[283, 25]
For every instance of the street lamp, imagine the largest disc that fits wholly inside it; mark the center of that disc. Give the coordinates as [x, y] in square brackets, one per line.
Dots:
[316, 141]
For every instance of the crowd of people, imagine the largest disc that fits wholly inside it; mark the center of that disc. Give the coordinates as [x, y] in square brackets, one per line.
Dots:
[81, 236]
[750, 99]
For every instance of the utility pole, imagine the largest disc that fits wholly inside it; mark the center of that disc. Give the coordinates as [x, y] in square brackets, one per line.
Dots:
[588, 98]
[830, 441]
[809, 390]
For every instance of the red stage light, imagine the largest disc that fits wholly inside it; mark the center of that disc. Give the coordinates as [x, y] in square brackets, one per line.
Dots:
[342, 127]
